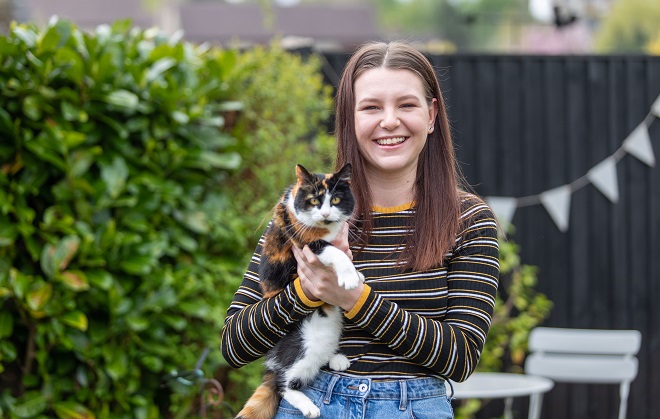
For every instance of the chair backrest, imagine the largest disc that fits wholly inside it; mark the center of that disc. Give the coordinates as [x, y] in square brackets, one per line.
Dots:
[586, 356]
[583, 355]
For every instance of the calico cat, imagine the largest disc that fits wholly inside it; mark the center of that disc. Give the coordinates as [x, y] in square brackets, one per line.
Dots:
[310, 212]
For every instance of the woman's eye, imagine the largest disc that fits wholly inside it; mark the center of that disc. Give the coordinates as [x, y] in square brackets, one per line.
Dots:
[335, 200]
[314, 201]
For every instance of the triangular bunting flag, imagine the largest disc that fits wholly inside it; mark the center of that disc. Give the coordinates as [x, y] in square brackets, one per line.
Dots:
[638, 144]
[503, 207]
[557, 202]
[603, 176]
[655, 109]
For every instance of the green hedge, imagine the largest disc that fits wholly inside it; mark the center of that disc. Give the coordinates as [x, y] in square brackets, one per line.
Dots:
[114, 247]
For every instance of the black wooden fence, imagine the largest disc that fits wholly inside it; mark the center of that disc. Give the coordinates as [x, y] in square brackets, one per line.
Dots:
[526, 124]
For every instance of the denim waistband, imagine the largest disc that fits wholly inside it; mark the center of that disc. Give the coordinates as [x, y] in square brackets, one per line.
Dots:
[405, 389]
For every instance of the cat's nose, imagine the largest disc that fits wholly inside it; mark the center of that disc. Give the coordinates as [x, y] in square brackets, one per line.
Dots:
[325, 214]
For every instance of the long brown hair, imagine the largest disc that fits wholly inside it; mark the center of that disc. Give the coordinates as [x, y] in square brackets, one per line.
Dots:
[436, 191]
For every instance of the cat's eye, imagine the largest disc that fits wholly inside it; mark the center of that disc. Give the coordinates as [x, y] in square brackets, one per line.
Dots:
[314, 201]
[335, 200]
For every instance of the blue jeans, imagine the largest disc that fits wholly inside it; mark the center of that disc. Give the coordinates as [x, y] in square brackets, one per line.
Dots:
[342, 397]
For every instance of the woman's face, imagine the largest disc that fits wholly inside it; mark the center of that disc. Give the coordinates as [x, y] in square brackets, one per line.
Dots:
[392, 120]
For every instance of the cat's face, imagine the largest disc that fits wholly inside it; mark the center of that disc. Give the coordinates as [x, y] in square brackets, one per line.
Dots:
[321, 200]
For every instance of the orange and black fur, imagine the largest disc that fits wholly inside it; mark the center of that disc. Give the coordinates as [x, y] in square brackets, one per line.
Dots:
[310, 212]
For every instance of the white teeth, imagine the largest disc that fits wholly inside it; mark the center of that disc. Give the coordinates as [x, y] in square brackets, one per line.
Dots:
[390, 141]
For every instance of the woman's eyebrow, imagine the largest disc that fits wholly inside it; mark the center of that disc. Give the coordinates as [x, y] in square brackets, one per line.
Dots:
[399, 98]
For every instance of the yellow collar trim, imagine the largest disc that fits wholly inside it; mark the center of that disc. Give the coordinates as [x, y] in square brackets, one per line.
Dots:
[390, 210]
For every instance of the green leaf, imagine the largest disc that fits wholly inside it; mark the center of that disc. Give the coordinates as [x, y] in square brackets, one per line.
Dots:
[159, 67]
[39, 297]
[31, 108]
[194, 220]
[152, 363]
[55, 36]
[81, 160]
[100, 279]
[75, 319]
[19, 282]
[69, 111]
[69, 64]
[6, 123]
[28, 37]
[6, 324]
[231, 106]
[123, 99]
[8, 232]
[137, 323]
[220, 160]
[7, 351]
[74, 280]
[45, 147]
[56, 258]
[30, 405]
[114, 175]
[137, 265]
[73, 139]
[116, 363]
[72, 410]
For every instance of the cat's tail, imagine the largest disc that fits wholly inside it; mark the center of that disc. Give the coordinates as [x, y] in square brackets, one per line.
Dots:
[264, 401]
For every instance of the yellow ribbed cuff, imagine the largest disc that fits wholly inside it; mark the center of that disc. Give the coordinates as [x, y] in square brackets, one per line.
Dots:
[360, 302]
[301, 294]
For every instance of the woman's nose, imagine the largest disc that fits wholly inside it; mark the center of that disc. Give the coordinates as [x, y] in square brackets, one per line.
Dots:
[390, 121]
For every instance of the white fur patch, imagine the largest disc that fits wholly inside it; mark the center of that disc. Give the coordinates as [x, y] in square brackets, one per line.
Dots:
[302, 403]
[320, 342]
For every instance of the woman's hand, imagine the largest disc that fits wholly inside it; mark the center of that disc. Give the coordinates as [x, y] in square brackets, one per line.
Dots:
[319, 282]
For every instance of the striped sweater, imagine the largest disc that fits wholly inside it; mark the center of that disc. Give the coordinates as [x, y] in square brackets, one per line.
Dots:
[406, 324]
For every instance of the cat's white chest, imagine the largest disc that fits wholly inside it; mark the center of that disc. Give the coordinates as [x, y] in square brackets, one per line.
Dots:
[321, 333]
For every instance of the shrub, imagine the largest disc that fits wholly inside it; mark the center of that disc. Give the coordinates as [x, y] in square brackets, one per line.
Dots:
[114, 244]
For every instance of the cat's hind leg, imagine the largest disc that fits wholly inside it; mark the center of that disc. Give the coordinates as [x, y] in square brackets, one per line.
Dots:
[301, 402]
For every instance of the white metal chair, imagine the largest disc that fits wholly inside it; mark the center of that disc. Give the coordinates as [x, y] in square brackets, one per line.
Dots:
[585, 356]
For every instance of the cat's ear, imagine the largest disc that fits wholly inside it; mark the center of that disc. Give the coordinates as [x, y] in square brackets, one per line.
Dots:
[345, 172]
[303, 175]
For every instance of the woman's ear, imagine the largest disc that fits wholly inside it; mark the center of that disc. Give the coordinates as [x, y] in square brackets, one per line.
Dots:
[433, 111]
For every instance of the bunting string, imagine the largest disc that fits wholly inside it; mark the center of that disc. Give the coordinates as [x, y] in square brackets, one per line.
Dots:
[603, 176]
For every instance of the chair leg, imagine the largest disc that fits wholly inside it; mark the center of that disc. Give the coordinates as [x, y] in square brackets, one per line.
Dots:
[623, 405]
[508, 403]
[535, 402]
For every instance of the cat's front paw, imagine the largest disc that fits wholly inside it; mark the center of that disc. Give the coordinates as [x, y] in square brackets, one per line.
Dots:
[339, 362]
[349, 277]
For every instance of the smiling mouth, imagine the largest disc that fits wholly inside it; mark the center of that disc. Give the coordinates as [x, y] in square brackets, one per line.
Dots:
[390, 141]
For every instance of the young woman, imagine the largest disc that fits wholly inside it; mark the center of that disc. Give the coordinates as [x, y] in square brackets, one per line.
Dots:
[427, 249]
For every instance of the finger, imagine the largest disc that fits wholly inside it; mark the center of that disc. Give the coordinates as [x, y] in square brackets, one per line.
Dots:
[300, 256]
[309, 255]
[344, 232]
